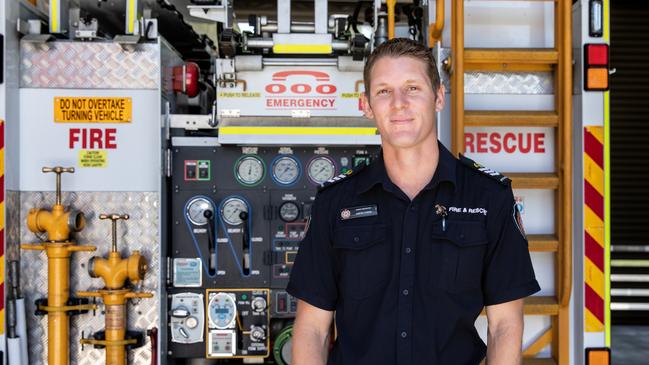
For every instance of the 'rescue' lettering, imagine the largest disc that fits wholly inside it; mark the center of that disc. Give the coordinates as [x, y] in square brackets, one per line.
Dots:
[313, 103]
[93, 138]
[504, 142]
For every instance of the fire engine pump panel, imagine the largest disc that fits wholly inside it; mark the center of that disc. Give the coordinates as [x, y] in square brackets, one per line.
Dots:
[171, 151]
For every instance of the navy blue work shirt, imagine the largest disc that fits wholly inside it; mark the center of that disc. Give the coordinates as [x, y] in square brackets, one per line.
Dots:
[407, 279]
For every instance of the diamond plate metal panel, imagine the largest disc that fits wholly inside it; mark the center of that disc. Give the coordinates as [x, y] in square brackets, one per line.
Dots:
[528, 83]
[140, 232]
[85, 65]
[12, 212]
[520, 83]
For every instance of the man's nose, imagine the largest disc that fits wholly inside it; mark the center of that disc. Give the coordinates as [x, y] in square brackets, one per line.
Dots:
[399, 99]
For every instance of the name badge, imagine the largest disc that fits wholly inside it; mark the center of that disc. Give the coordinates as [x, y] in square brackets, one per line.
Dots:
[359, 212]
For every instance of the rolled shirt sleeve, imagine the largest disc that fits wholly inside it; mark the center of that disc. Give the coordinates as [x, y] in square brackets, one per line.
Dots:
[313, 276]
[508, 274]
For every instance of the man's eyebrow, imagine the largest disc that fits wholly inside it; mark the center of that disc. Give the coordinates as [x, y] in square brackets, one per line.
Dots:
[408, 81]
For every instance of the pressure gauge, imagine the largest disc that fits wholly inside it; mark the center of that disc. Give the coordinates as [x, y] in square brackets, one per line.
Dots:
[289, 211]
[222, 311]
[249, 170]
[196, 210]
[321, 169]
[230, 210]
[286, 170]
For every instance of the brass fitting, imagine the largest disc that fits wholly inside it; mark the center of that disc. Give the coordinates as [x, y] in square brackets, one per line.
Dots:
[115, 270]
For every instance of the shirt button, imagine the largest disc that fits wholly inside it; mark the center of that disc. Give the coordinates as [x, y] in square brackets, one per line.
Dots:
[404, 334]
[408, 250]
[413, 207]
[356, 239]
[405, 291]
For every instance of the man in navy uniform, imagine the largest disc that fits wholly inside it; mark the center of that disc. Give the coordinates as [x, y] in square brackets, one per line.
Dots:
[406, 252]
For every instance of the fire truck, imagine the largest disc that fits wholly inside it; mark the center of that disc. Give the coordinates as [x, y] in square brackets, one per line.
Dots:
[159, 160]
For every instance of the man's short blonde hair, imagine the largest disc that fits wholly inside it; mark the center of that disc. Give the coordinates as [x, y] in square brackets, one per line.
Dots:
[402, 47]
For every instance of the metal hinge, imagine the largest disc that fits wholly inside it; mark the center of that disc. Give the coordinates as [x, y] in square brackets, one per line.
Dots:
[168, 161]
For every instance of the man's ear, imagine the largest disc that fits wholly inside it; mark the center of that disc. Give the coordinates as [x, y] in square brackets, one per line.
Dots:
[439, 98]
[365, 104]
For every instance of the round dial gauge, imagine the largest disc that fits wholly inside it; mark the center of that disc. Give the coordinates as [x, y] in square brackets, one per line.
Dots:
[196, 210]
[286, 170]
[222, 311]
[321, 169]
[231, 209]
[289, 211]
[249, 170]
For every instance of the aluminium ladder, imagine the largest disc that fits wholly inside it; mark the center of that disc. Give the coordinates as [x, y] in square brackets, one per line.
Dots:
[559, 61]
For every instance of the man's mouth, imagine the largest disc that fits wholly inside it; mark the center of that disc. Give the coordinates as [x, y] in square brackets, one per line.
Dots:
[401, 120]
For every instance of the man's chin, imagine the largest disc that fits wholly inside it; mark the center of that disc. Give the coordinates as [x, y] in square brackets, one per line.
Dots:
[402, 142]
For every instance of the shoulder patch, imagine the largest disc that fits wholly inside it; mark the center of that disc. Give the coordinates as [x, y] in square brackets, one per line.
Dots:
[336, 179]
[502, 179]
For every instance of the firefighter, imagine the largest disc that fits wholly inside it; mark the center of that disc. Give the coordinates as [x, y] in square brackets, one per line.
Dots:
[407, 251]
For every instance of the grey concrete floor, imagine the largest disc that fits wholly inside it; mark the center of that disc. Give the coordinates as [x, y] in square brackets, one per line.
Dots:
[629, 345]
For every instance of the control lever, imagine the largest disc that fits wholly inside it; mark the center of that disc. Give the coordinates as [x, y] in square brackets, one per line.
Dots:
[246, 243]
[208, 214]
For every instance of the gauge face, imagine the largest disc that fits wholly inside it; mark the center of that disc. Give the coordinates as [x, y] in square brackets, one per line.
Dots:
[222, 311]
[231, 209]
[196, 210]
[286, 170]
[289, 211]
[249, 170]
[321, 169]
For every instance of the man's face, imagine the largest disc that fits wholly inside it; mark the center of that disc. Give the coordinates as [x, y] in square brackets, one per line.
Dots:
[402, 102]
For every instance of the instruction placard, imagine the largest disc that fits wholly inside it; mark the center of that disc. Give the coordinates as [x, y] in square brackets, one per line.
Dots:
[92, 109]
[93, 158]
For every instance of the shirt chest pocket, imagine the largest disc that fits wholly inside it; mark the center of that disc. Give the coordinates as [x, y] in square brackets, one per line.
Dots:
[462, 246]
[364, 256]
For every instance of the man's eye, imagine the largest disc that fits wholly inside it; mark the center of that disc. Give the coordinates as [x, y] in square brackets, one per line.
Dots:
[413, 88]
[382, 92]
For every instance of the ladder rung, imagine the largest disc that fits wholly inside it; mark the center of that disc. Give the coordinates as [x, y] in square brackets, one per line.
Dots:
[542, 242]
[510, 59]
[528, 361]
[534, 180]
[511, 118]
[544, 361]
[537, 305]
[541, 305]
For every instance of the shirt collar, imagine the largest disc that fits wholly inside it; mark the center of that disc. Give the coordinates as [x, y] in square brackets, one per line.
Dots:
[377, 174]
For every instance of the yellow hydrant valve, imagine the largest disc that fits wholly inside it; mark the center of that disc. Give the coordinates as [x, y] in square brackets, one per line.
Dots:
[56, 223]
[115, 271]
[58, 306]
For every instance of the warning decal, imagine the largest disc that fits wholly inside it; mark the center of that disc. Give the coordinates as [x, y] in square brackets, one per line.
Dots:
[92, 110]
[92, 158]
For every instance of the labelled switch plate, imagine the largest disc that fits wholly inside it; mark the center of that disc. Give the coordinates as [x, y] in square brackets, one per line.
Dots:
[189, 324]
[187, 272]
[198, 170]
[222, 343]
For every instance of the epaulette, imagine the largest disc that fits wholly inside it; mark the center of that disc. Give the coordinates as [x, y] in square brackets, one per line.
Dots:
[502, 179]
[336, 179]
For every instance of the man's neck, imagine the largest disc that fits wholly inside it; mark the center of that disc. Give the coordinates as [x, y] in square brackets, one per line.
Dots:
[411, 169]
